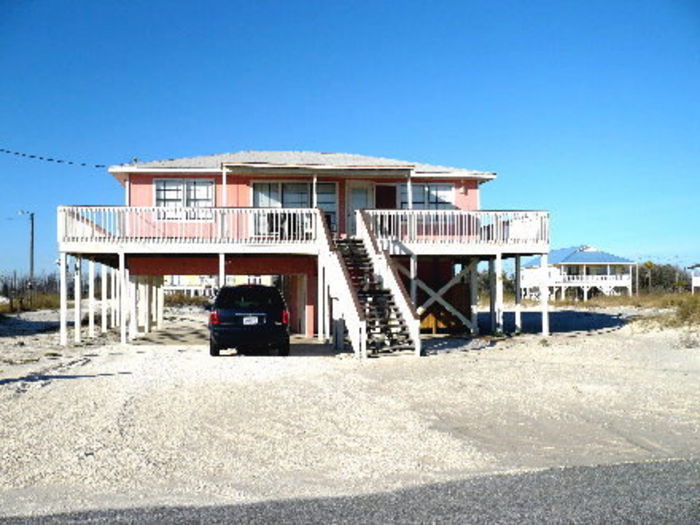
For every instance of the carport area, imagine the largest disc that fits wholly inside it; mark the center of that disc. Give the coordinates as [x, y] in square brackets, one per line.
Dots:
[186, 327]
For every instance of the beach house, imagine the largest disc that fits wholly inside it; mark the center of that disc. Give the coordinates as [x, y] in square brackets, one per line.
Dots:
[580, 269]
[694, 277]
[370, 249]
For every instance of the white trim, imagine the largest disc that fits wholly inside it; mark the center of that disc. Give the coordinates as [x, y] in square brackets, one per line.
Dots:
[155, 180]
[418, 174]
[127, 190]
[224, 189]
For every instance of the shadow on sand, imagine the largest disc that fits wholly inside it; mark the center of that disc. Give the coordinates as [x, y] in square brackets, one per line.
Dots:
[13, 326]
[561, 321]
[36, 378]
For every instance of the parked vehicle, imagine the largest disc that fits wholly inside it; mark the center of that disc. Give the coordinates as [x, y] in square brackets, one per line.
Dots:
[249, 317]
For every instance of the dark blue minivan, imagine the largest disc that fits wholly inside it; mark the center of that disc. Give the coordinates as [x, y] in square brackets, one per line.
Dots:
[249, 317]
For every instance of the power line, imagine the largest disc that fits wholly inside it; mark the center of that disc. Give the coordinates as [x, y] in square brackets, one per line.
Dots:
[51, 159]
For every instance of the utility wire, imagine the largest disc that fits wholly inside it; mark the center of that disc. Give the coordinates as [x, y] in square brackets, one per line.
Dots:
[51, 159]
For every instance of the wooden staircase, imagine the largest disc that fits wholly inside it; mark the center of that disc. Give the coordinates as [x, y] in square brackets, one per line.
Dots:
[386, 328]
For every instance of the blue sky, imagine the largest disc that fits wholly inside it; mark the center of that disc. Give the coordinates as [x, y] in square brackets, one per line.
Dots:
[587, 109]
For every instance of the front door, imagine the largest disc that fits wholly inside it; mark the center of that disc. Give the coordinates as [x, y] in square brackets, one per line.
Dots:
[360, 196]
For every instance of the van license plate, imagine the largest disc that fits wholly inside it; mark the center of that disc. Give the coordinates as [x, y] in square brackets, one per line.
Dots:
[250, 320]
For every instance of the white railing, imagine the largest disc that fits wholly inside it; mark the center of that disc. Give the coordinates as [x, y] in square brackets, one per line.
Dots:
[160, 225]
[603, 279]
[346, 307]
[531, 278]
[383, 266]
[456, 226]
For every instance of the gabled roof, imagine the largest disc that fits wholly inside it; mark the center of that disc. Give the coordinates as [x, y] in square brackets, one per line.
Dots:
[300, 159]
[579, 255]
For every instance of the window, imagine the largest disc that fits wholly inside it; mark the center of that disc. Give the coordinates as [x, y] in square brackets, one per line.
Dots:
[184, 193]
[327, 201]
[297, 195]
[429, 197]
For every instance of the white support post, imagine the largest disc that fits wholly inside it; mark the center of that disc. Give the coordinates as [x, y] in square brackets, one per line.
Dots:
[326, 307]
[103, 298]
[320, 312]
[147, 301]
[474, 297]
[413, 276]
[492, 295]
[222, 270]
[153, 296]
[518, 297]
[498, 269]
[63, 316]
[77, 297]
[114, 298]
[133, 307]
[123, 292]
[161, 305]
[544, 296]
[314, 192]
[91, 298]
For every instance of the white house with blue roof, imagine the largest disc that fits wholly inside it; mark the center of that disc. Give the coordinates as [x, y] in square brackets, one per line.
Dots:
[695, 276]
[581, 268]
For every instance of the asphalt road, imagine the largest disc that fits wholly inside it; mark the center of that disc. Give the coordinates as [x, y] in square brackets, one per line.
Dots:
[659, 492]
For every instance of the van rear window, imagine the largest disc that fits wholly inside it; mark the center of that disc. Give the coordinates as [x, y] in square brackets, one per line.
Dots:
[245, 297]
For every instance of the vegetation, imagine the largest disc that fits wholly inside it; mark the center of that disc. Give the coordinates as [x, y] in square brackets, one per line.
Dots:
[182, 299]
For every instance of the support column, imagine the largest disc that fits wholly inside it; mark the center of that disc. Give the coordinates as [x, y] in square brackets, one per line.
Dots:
[320, 310]
[498, 270]
[413, 276]
[518, 297]
[161, 304]
[492, 295]
[222, 270]
[63, 291]
[474, 297]
[133, 306]
[146, 303]
[544, 295]
[326, 308]
[585, 293]
[91, 299]
[103, 298]
[122, 291]
[153, 296]
[77, 296]
[114, 298]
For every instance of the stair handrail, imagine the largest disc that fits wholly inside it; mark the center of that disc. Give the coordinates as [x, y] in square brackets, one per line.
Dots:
[384, 267]
[348, 302]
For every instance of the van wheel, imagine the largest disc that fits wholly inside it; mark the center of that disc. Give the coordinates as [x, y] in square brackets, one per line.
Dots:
[283, 349]
[213, 348]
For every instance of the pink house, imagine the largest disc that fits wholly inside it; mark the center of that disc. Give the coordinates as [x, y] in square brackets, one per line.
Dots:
[370, 247]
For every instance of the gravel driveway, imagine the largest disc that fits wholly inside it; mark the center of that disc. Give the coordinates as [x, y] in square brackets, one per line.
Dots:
[153, 424]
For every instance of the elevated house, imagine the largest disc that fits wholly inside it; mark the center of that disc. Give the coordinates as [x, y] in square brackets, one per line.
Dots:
[694, 277]
[370, 248]
[581, 269]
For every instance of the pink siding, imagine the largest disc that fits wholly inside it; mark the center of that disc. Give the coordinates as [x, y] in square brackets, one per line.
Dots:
[467, 195]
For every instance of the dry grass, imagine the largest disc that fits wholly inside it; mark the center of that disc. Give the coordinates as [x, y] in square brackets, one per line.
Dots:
[40, 301]
[684, 307]
[182, 299]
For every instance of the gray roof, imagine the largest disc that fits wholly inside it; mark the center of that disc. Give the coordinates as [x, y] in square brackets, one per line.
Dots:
[299, 158]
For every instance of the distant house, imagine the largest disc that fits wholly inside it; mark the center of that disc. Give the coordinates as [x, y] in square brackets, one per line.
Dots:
[207, 285]
[695, 277]
[583, 269]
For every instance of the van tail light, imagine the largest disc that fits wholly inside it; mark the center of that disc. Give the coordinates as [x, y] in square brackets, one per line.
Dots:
[285, 317]
[214, 317]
